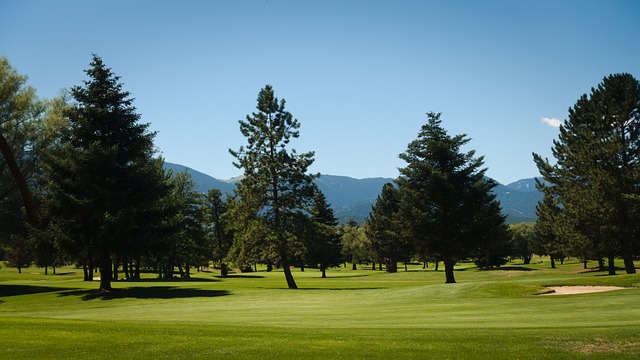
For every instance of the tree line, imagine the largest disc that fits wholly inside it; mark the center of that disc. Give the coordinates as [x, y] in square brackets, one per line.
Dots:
[591, 204]
[81, 183]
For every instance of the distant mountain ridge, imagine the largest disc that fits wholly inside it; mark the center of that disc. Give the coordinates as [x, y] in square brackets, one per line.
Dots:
[352, 199]
[203, 181]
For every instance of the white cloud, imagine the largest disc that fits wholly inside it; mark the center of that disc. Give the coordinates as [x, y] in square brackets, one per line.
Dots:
[552, 122]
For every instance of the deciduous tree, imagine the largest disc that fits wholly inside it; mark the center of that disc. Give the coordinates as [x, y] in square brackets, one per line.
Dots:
[20, 112]
[522, 240]
[356, 247]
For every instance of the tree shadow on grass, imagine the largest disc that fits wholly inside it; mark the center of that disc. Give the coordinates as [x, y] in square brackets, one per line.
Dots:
[347, 276]
[514, 268]
[156, 280]
[348, 289]
[154, 292]
[240, 276]
[14, 290]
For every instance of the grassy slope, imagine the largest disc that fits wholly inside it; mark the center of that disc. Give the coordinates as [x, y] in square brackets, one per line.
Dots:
[352, 314]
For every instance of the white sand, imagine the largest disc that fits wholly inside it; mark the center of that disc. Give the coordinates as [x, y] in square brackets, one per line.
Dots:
[572, 290]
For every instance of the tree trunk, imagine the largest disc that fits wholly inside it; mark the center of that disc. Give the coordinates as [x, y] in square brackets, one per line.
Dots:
[601, 266]
[437, 265]
[373, 265]
[169, 269]
[138, 269]
[392, 266]
[85, 271]
[527, 260]
[269, 266]
[105, 273]
[611, 264]
[223, 270]
[553, 263]
[584, 264]
[46, 268]
[448, 270]
[324, 271]
[291, 283]
[353, 266]
[406, 268]
[425, 264]
[629, 267]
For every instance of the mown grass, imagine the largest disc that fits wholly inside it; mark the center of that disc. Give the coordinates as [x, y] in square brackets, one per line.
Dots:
[359, 314]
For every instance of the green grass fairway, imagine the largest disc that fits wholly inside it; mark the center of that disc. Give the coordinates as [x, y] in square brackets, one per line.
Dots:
[359, 314]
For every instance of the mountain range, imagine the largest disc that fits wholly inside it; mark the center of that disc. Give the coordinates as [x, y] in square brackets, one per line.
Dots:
[352, 199]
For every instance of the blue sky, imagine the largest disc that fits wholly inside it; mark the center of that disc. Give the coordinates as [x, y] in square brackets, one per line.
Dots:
[358, 75]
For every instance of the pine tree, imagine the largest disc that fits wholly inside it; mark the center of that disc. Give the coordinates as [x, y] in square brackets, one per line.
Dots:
[276, 186]
[187, 245]
[102, 175]
[598, 169]
[446, 198]
[386, 231]
[215, 217]
[323, 241]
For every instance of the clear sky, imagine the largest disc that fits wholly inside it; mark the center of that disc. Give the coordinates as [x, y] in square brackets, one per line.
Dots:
[358, 75]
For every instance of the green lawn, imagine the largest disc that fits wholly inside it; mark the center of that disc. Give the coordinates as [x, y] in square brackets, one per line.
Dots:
[359, 314]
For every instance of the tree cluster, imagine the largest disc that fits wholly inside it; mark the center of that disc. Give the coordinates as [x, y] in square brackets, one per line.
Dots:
[591, 194]
[80, 183]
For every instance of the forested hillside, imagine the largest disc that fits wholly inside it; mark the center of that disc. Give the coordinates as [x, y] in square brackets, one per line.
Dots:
[352, 198]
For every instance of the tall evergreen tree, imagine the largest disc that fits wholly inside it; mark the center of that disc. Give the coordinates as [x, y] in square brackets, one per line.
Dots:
[102, 175]
[550, 229]
[215, 217]
[186, 244]
[323, 241]
[386, 231]
[275, 186]
[446, 198]
[597, 172]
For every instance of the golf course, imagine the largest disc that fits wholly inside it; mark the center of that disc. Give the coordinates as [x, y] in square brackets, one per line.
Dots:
[507, 313]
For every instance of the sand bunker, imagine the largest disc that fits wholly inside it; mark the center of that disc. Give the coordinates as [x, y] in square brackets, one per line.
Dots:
[572, 290]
